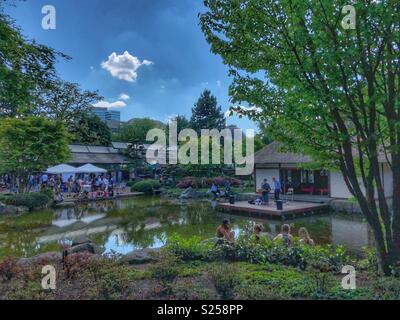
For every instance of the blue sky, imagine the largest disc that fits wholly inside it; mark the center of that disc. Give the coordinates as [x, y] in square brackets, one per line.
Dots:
[150, 50]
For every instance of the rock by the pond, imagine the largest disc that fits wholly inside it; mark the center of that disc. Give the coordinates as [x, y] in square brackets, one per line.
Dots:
[189, 193]
[45, 258]
[86, 247]
[9, 209]
[80, 240]
[142, 256]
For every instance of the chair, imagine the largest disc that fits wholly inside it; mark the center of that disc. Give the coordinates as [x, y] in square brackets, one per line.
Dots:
[289, 192]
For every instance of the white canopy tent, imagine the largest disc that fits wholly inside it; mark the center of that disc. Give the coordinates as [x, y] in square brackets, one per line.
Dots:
[60, 169]
[63, 169]
[89, 168]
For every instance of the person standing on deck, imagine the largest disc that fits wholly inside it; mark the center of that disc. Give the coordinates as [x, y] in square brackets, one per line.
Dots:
[277, 188]
[266, 189]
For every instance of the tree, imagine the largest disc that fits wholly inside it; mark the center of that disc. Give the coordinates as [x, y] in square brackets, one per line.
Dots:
[136, 130]
[30, 145]
[88, 128]
[329, 92]
[25, 69]
[65, 101]
[182, 123]
[262, 138]
[206, 114]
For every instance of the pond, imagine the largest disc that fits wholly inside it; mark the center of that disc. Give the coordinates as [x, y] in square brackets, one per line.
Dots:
[146, 222]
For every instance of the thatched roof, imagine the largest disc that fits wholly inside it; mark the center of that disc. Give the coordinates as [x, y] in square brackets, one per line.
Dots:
[272, 153]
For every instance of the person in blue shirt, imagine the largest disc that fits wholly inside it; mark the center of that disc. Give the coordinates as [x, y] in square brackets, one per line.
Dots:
[277, 187]
[266, 188]
[214, 190]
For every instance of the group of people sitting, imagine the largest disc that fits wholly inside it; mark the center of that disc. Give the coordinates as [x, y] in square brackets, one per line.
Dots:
[218, 193]
[225, 233]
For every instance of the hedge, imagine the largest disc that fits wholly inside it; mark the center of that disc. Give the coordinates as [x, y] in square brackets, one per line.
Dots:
[30, 200]
[146, 186]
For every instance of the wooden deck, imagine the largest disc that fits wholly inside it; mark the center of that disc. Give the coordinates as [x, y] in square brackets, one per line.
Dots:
[290, 210]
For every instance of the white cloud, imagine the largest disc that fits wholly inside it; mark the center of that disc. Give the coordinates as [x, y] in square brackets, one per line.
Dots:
[106, 104]
[124, 66]
[124, 97]
[219, 83]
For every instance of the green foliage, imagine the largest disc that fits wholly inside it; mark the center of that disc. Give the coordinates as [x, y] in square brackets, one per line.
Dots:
[190, 291]
[31, 144]
[250, 250]
[166, 271]
[137, 129]
[89, 129]
[322, 94]
[34, 200]
[189, 248]
[206, 114]
[225, 279]
[27, 68]
[146, 186]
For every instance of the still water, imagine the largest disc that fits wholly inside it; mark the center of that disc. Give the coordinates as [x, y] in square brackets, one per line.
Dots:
[124, 225]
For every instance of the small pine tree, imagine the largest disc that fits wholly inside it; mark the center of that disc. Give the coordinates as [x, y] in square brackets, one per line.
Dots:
[206, 114]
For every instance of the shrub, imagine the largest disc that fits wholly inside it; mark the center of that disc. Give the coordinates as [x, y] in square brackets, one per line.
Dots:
[185, 291]
[30, 200]
[225, 279]
[165, 272]
[9, 269]
[188, 249]
[195, 182]
[322, 259]
[251, 291]
[187, 182]
[146, 186]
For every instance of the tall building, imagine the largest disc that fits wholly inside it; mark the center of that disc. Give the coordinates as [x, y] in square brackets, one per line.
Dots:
[111, 117]
[101, 113]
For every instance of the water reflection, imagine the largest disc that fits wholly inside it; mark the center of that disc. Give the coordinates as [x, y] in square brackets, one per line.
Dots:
[128, 224]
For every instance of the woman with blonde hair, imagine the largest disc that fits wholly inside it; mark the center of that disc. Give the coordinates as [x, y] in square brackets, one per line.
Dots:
[305, 237]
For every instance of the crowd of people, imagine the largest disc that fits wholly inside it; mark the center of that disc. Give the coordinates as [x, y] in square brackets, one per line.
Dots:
[225, 233]
[79, 186]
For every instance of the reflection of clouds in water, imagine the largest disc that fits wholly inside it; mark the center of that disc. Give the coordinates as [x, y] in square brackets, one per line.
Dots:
[114, 244]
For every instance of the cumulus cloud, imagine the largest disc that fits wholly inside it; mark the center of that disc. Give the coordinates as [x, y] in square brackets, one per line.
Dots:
[124, 66]
[106, 104]
[124, 97]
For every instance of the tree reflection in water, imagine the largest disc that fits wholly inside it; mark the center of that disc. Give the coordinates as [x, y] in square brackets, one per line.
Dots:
[127, 224]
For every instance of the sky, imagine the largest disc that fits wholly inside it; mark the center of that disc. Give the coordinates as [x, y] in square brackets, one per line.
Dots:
[147, 58]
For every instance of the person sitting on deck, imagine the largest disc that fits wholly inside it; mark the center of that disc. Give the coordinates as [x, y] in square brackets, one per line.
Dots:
[285, 235]
[305, 237]
[224, 232]
[214, 190]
